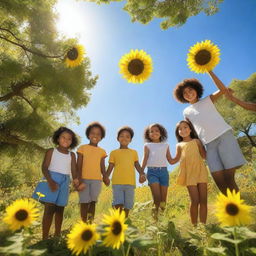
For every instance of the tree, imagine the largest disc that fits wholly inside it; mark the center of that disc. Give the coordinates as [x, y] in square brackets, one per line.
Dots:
[38, 93]
[241, 120]
[174, 12]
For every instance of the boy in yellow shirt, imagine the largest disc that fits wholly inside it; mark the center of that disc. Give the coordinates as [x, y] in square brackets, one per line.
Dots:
[91, 169]
[123, 161]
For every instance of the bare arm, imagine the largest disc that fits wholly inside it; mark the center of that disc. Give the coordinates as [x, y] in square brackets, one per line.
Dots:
[177, 156]
[201, 149]
[145, 158]
[222, 88]
[142, 177]
[110, 169]
[79, 165]
[168, 156]
[73, 166]
[102, 166]
[45, 165]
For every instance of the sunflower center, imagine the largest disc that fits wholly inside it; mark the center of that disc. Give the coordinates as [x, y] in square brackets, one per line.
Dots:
[136, 67]
[203, 57]
[21, 215]
[87, 235]
[232, 209]
[116, 228]
[72, 54]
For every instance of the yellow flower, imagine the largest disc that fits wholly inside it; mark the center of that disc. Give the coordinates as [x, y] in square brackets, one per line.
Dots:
[74, 56]
[21, 213]
[136, 66]
[231, 211]
[40, 194]
[114, 235]
[82, 237]
[203, 57]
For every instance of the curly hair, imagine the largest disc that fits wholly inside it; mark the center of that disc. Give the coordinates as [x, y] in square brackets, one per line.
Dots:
[127, 129]
[58, 132]
[191, 83]
[98, 125]
[193, 133]
[163, 132]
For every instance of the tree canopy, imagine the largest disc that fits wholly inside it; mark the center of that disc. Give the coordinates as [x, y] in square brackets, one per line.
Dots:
[174, 12]
[38, 93]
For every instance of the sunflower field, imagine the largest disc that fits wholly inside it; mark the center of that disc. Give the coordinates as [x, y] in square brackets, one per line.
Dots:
[141, 234]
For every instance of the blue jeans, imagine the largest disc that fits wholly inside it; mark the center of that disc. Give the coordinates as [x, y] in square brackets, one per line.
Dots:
[158, 175]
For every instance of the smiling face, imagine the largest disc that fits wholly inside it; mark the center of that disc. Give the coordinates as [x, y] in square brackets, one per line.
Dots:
[124, 138]
[65, 139]
[154, 134]
[190, 95]
[184, 130]
[95, 135]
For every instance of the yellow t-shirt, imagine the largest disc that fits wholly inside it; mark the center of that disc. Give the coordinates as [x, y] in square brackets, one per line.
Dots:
[124, 170]
[91, 161]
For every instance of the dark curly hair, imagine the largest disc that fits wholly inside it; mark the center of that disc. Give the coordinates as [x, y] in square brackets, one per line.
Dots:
[191, 83]
[58, 132]
[193, 133]
[162, 130]
[127, 129]
[98, 125]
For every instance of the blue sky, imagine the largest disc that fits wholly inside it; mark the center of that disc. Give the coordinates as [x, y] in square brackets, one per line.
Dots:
[107, 33]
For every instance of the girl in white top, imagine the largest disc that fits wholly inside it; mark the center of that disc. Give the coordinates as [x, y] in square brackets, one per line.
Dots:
[223, 153]
[156, 155]
[53, 190]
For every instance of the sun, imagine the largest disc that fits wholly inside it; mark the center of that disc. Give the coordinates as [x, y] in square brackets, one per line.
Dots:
[136, 66]
[203, 57]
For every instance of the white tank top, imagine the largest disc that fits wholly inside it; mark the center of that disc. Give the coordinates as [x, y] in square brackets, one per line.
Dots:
[207, 121]
[60, 162]
[157, 154]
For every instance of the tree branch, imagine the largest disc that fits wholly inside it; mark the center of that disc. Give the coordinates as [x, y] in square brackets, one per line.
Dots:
[25, 48]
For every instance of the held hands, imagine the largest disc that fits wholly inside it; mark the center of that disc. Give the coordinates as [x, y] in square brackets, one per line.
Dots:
[142, 178]
[106, 180]
[79, 186]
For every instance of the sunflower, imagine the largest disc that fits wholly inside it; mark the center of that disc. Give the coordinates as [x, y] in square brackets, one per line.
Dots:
[203, 57]
[136, 66]
[74, 56]
[231, 211]
[82, 237]
[115, 227]
[21, 213]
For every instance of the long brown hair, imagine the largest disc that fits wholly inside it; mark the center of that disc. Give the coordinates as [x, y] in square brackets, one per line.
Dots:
[193, 133]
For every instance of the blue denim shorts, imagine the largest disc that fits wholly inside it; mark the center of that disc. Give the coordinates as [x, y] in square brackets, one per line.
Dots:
[123, 194]
[224, 153]
[158, 175]
[58, 197]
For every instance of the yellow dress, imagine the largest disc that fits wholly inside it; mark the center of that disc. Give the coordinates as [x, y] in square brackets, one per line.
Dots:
[192, 166]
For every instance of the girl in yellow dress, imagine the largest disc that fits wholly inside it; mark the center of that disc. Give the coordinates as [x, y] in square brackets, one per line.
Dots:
[193, 173]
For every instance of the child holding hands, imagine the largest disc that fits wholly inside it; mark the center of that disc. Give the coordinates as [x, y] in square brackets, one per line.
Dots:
[193, 173]
[123, 161]
[53, 190]
[91, 170]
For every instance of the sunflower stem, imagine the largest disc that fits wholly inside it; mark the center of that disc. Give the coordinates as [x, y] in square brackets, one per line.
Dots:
[128, 250]
[236, 245]
[123, 251]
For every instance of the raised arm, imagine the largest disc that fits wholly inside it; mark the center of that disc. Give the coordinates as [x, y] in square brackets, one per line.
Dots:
[145, 158]
[201, 149]
[222, 88]
[177, 156]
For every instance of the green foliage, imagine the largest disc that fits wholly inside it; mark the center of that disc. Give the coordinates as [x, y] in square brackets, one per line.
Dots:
[174, 12]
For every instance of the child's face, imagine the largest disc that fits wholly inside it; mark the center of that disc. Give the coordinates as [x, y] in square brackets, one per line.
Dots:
[184, 130]
[124, 138]
[95, 135]
[154, 134]
[65, 139]
[190, 95]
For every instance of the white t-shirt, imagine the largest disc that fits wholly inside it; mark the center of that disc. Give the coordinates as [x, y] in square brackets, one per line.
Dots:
[207, 121]
[60, 162]
[157, 154]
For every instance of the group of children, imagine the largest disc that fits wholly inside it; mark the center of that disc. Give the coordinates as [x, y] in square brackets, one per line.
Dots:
[202, 135]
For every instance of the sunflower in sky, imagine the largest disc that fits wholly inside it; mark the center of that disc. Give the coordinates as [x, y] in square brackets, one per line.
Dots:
[231, 211]
[21, 213]
[136, 66]
[203, 57]
[82, 237]
[115, 228]
[74, 56]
